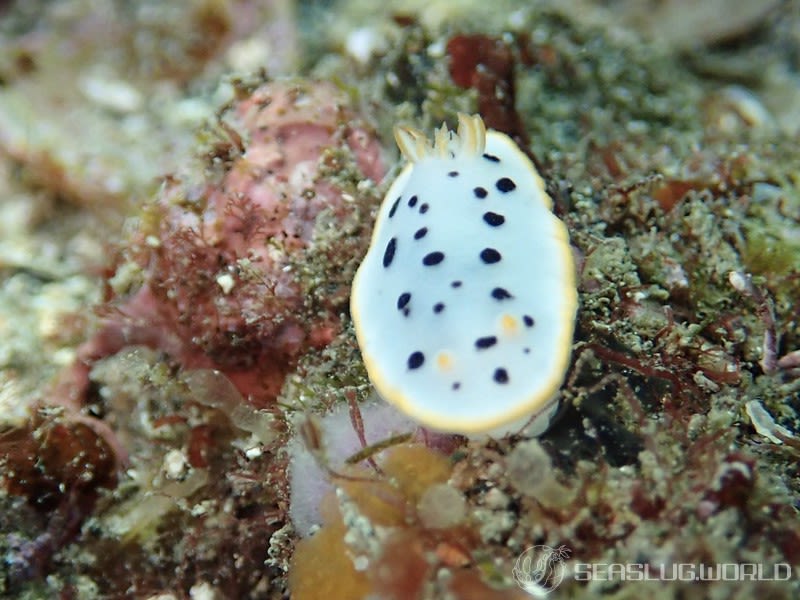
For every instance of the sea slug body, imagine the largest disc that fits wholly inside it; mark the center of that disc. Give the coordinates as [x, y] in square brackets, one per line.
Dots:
[464, 305]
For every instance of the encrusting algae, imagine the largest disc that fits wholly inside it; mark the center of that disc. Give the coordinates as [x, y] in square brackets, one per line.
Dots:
[376, 537]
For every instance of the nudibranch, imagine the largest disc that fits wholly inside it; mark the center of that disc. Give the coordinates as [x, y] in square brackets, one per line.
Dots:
[464, 306]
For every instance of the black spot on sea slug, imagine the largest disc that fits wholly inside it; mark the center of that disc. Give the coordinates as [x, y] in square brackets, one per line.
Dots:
[438, 307]
[423, 208]
[433, 258]
[480, 192]
[493, 219]
[412, 202]
[499, 293]
[453, 174]
[456, 284]
[505, 185]
[420, 233]
[388, 255]
[416, 360]
[485, 342]
[489, 256]
[528, 320]
[501, 375]
[394, 207]
[456, 385]
[491, 158]
[403, 299]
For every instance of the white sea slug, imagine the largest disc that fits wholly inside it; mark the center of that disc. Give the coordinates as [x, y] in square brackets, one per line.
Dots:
[464, 305]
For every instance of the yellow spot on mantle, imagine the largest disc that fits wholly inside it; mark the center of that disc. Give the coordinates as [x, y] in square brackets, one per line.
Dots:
[509, 324]
[444, 360]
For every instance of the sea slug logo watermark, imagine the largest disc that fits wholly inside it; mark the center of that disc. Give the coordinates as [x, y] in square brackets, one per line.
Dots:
[540, 569]
[681, 572]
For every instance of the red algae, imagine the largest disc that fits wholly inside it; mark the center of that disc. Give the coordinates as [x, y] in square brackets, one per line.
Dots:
[52, 460]
[218, 258]
[60, 468]
[486, 64]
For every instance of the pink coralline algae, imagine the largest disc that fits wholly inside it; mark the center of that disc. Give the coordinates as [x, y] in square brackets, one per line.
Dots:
[250, 266]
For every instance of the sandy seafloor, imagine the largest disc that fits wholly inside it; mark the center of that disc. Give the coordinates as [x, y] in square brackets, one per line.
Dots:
[155, 385]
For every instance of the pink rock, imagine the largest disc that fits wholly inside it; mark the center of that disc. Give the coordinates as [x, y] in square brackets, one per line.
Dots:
[220, 288]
